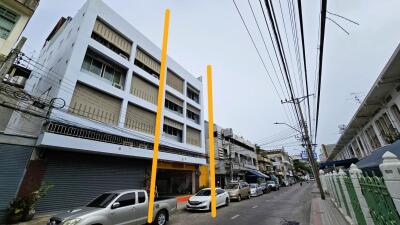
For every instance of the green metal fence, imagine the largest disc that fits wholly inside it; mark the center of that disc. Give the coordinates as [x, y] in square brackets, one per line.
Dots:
[354, 201]
[380, 204]
[343, 197]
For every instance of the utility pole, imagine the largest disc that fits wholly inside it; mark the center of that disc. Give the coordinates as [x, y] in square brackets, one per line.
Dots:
[307, 143]
[11, 58]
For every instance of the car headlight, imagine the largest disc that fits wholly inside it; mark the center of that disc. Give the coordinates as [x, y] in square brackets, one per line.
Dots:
[72, 222]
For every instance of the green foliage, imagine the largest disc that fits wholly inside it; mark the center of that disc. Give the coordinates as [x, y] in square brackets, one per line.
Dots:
[300, 166]
[16, 206]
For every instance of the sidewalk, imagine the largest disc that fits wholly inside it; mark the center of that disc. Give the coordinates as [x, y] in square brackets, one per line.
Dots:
[324, 212]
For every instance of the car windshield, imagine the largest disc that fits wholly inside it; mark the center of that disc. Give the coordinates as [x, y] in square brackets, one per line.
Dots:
[103, 200]
[232, 186]
[204, 192]
[271, 182]
[253, 185]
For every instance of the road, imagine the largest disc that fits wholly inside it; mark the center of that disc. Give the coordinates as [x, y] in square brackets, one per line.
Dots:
[290, 203]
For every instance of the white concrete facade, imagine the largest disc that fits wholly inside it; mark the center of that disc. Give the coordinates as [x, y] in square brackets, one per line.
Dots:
[383, 100]
[62, 58]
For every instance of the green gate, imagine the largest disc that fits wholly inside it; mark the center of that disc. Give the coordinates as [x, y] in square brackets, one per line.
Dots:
[343, 197]
[354, 201]
[380, 204]
[336, 192]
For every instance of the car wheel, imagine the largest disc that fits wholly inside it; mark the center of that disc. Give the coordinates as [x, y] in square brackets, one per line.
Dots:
[161, 218]
[239, 198]
[226, 201]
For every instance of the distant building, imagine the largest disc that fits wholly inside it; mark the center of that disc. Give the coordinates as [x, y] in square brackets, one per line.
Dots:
[14, 15]
[282, 163]
[234, 155]
[377, 121]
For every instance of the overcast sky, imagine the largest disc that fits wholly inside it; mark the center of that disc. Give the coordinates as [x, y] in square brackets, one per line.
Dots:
[211, 32]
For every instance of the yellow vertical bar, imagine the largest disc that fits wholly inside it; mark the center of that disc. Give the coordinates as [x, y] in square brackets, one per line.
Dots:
[211, 142]
[158, 116]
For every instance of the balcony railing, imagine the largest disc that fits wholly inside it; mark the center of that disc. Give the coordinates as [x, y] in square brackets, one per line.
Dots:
[95, 135]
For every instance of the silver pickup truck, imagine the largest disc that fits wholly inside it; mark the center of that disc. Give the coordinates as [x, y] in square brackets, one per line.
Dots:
[117, 207]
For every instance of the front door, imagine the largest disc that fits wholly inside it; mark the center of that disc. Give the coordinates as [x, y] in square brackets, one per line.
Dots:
[126, 211]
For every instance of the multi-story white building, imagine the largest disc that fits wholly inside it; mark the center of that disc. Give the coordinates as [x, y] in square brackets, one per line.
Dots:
[107, 73]
[377, 121]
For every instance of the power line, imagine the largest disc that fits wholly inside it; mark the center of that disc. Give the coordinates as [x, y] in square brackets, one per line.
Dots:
[321, 53]
[304, 61]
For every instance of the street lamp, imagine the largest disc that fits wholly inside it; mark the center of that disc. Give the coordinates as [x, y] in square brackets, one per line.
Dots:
[289, 126]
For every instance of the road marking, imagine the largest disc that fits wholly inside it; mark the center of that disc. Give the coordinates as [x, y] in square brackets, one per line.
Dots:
[235, 216]
[255, 206]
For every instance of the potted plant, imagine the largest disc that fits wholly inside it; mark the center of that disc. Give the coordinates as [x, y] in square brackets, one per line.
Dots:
[31, 199]
[15, 211]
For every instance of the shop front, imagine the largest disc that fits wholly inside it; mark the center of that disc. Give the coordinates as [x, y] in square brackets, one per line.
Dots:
[177, 178]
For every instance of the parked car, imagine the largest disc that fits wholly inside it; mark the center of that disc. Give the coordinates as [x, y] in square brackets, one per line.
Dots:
[264, 188]
[117, 207]
[202, 199]
[255, 190]
[273, 185]
[238, 190]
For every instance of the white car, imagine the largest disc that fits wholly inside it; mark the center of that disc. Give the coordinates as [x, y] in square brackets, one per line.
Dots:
[255, 190]
[202, 200]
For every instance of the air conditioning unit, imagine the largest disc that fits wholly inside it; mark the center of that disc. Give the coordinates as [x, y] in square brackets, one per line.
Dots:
[117, 86]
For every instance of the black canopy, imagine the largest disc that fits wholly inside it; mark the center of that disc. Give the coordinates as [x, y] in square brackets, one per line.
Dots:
[375, 158]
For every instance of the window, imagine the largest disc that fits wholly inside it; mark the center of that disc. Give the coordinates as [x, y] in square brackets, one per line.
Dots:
[192, 94]
[219, 191]
[373, 139]
[147, 63]
[396, 112]
[193, 113]
[173, 129]
[103, 200]
[7, 21]
[126, 200]
[112, 73]
[172, 106]
[144, 89]
[110, 38]
[173, 103]
[385, 126]
[141, 197]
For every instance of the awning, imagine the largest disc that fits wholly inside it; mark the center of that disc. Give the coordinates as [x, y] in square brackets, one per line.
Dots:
[331, 164]
[375, 158]
[255, 173]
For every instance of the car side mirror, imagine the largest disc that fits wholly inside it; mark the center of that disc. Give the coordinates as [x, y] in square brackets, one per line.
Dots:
[115, 205]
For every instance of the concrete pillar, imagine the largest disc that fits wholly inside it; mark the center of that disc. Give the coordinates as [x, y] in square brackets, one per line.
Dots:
[322, 179]
[347, 196]
[390, 169]
[354, 174]
[341, 199]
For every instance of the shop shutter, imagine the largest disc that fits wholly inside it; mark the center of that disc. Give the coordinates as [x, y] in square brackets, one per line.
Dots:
[193, 109]
[174, 81]
[112, 36]
[78, 178]
[144, 89]
[173, 123]
[193, 136]
[147, 60]
[174, 99]
[90, 103]
[13, 161]
[140, 119]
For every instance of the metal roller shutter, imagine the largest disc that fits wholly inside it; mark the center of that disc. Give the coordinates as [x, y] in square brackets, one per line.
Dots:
[78, 177]
[13, 161]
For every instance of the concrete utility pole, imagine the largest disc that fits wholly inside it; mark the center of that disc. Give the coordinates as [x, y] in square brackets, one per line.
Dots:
[11, 58]
[308, 144]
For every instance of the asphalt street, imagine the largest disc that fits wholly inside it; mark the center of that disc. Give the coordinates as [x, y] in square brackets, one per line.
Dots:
[290, 203]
